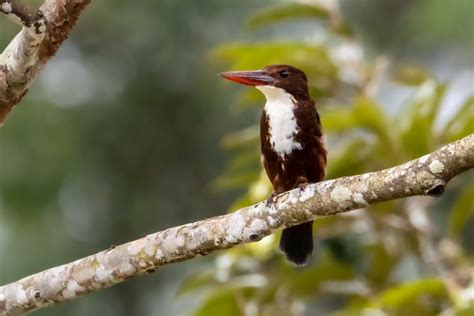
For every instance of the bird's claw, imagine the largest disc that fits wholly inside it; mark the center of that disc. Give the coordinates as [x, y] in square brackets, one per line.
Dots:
[302, 186]
[271, 199]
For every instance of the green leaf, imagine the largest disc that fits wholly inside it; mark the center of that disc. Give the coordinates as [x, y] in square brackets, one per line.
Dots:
[463, 208]
[260, 189]
[244, 160]
[287, 12]
[234, 180]
[340, 27]
[467, 311]
[241, 202]
[462, 124]
[364, 113]
[351, 158]
[196, 281]
[367, 113]
[336, 119]
[380, 261]
[416, 119]
[409, 292]
[307, 282]
[245, 137]
[411, 75]
[220, 303]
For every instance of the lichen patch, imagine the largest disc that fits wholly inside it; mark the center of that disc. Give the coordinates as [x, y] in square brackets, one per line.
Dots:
[180, 241]
[307, 193]
[55, 276]
[258, 209]
[21, 297]
[293, 196]
[71, 289]
[169, 243]
[149, 247]
[235, 225]
[84, 273]
[134, 248]
[272, 222]
[436, 166]
[128, 269]
[341, 194]
[273, 210]
[159, 254]
[102, 274]
[258, 226]
[359, 199]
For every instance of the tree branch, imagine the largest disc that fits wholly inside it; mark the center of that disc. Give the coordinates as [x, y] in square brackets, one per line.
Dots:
[427, 175]
[42, 34]
[21, 14]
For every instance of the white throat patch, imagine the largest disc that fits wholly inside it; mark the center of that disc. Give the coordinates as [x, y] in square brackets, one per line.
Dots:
[281, 120]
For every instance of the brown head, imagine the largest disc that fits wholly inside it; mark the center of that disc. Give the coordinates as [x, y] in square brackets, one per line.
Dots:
[290, 79]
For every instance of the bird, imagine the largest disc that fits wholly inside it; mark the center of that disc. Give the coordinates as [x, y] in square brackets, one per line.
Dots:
[293, 149]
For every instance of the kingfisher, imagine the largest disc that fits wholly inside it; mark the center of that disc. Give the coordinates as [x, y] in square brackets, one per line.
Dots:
[292, 144]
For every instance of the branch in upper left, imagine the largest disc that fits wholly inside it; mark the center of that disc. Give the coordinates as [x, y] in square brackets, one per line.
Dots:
[43, 32]
[23, 15]
[21, 54]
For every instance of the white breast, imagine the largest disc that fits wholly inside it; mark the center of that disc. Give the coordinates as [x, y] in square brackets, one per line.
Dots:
[281, 120]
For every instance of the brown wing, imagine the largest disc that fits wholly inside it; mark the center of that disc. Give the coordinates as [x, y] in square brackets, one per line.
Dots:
[313, 158]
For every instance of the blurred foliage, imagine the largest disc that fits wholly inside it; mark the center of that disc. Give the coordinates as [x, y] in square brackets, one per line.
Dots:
[402, 257]
[119, 137]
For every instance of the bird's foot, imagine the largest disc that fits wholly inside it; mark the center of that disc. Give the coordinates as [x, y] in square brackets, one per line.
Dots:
[302, 186]
[271, 199]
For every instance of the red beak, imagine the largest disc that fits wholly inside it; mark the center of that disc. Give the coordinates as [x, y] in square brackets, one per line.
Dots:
[250, 78]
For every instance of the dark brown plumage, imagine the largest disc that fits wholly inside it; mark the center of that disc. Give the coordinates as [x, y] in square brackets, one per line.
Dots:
[293, 150]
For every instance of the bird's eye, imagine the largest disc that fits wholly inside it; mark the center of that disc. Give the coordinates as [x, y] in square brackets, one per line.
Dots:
[284, 74]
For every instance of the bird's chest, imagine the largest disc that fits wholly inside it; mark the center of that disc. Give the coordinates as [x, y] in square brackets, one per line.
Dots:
[281, 127]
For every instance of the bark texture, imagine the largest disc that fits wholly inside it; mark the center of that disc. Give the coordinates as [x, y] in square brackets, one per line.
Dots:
[43, 32]
[427, 175]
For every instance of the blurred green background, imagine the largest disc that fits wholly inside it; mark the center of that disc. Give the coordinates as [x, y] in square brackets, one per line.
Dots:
[129, 130]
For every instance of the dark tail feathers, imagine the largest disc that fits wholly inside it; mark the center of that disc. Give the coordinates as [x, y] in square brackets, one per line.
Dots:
[297, 243]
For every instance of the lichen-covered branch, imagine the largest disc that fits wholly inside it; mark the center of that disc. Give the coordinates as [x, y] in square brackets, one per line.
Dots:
[22, 14]
[427, 175]
[43, 32]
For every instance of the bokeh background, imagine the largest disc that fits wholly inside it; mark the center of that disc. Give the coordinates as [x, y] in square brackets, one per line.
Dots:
[129, 130]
